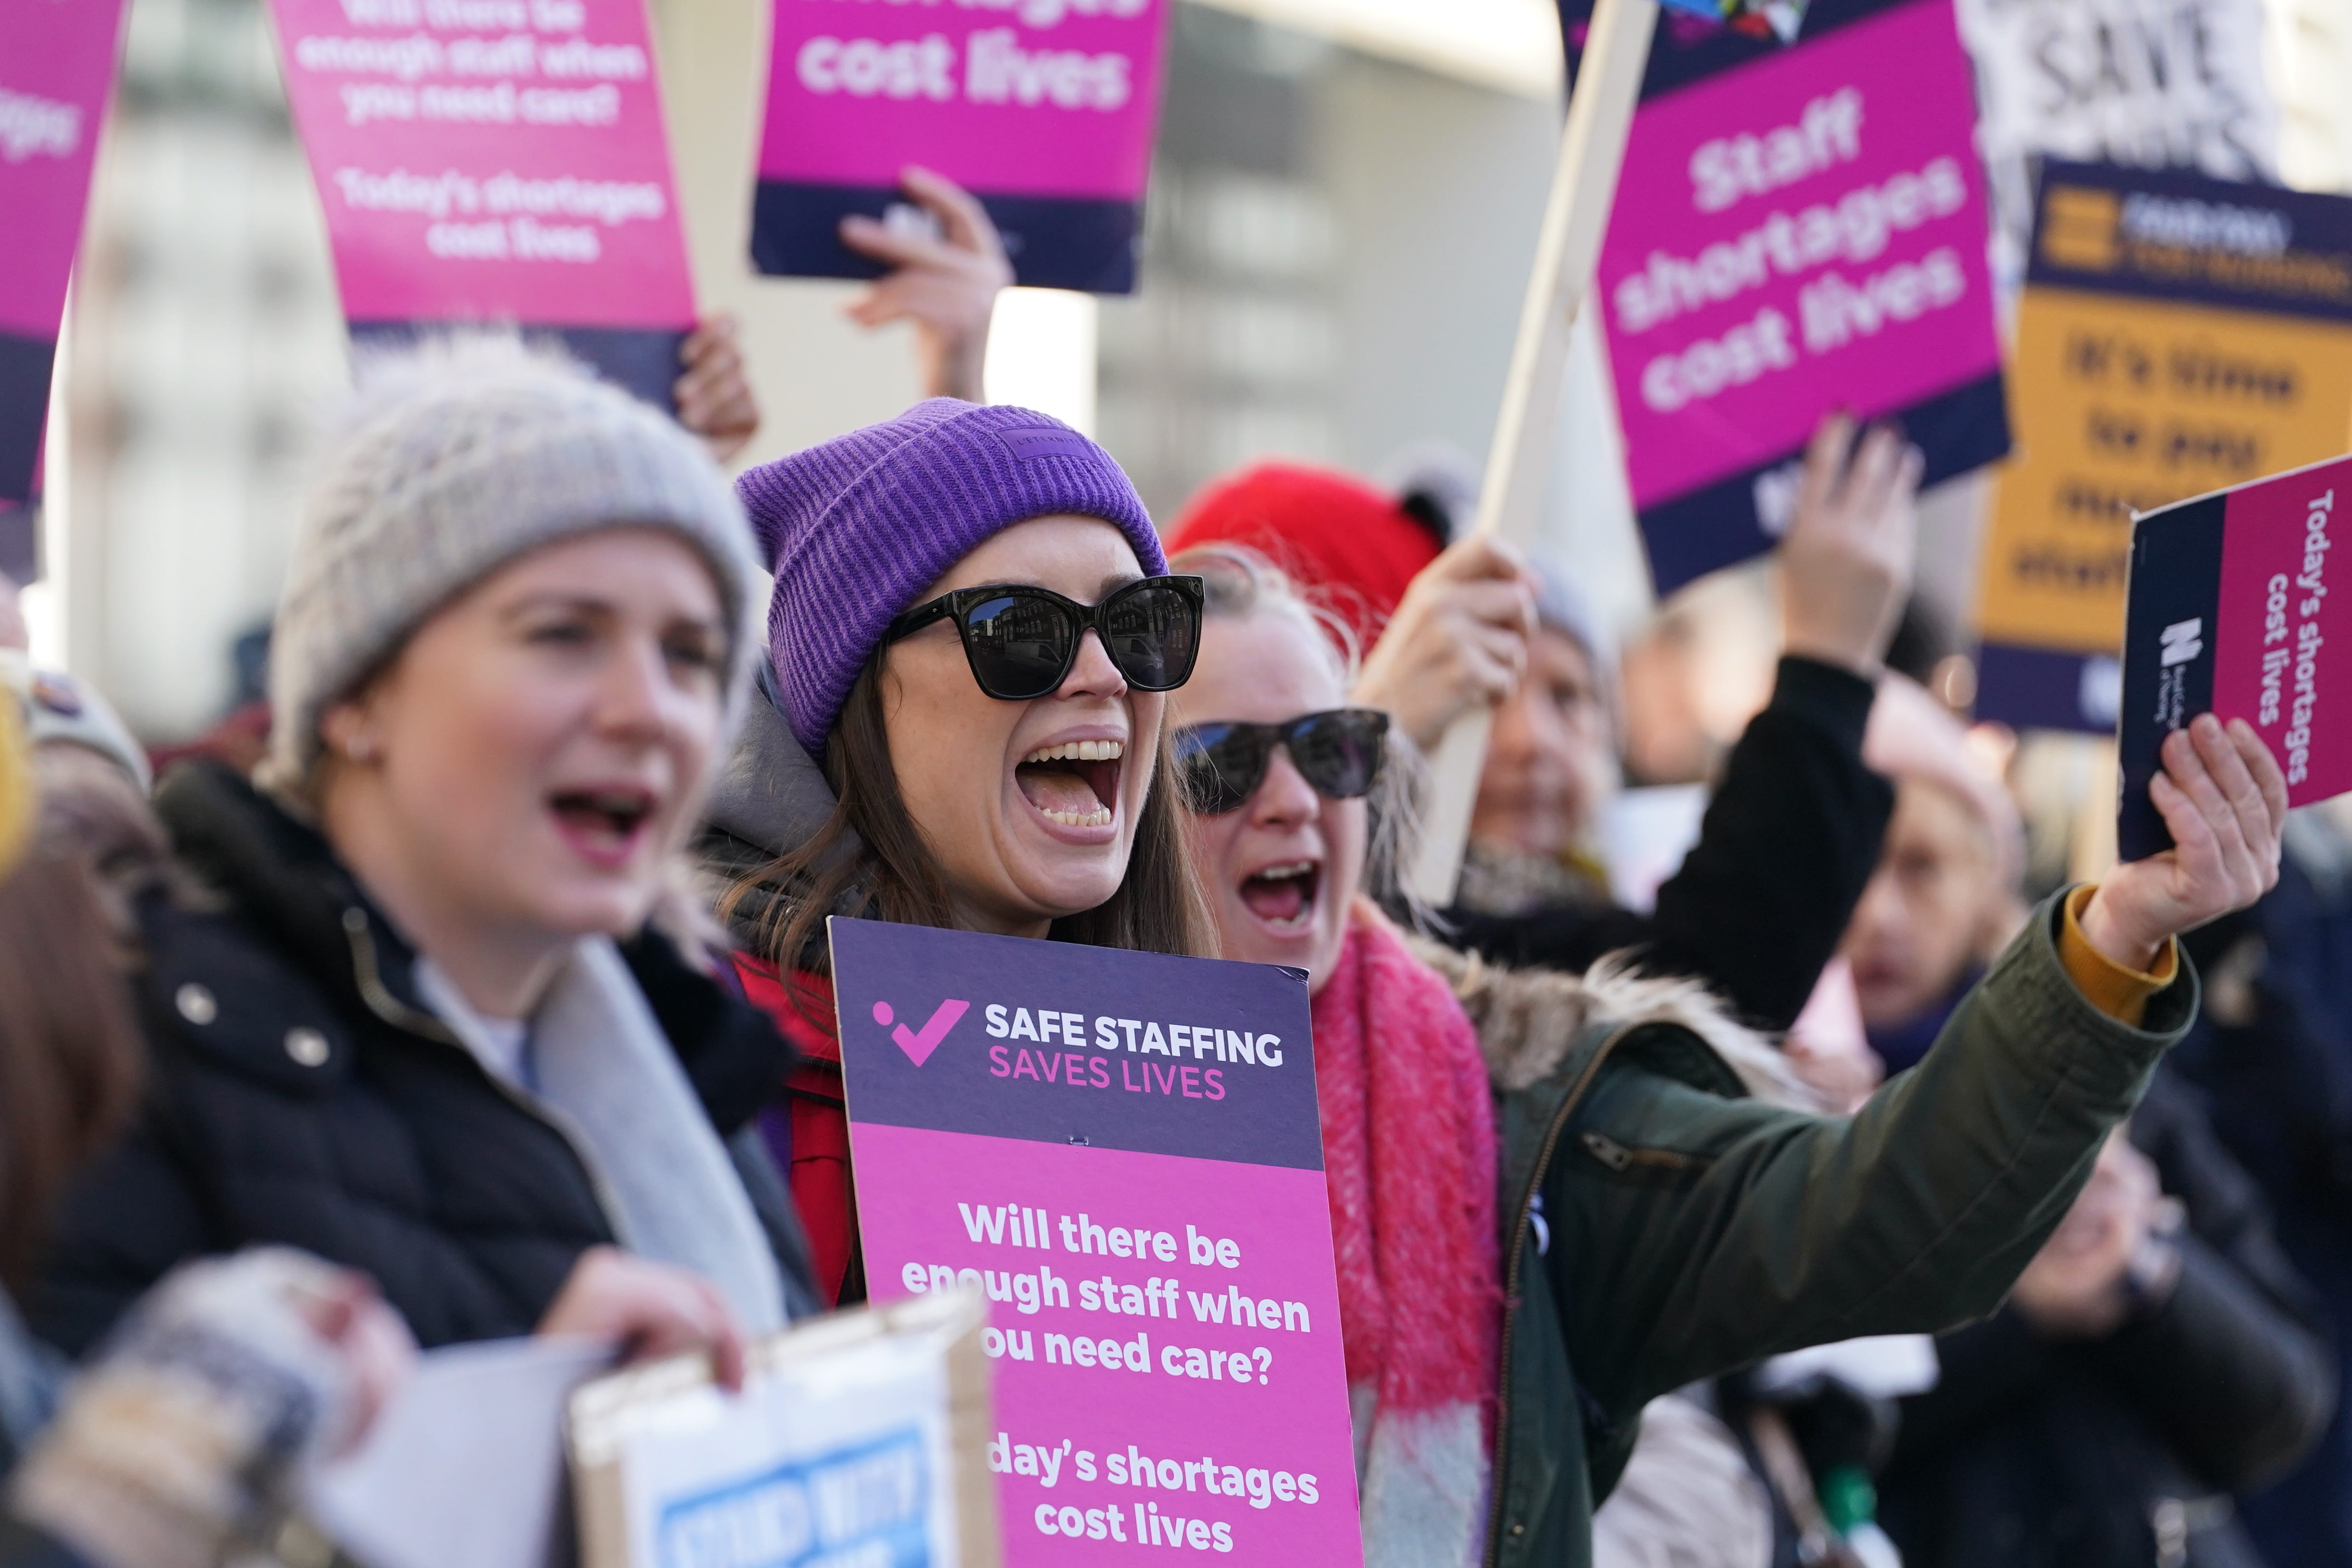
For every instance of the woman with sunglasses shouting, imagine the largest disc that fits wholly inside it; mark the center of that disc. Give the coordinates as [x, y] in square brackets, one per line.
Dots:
[972, 628]
[1654, 1224]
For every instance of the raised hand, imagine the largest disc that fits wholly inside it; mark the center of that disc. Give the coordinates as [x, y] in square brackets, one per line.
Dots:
[1459, 637]
[1845, 562]
[2223, 798]
[714, 396]
[946, 284]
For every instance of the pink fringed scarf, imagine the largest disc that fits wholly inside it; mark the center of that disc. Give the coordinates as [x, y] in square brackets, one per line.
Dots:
[1409, 1151]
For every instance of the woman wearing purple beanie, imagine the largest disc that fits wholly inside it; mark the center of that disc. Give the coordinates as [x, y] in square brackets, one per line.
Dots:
[971, 629]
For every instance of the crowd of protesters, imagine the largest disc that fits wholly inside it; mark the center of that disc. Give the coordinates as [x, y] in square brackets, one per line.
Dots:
[481, 991]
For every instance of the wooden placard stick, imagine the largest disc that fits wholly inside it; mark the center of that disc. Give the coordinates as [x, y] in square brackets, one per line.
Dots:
[1583, 189]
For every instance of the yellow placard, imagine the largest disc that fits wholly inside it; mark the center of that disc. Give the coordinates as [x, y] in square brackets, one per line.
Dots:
[2119, 403]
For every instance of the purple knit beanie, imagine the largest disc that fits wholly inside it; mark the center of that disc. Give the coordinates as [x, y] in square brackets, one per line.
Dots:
[854, 529]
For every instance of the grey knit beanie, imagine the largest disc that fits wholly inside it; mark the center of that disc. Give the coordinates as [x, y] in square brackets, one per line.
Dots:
[457, 456]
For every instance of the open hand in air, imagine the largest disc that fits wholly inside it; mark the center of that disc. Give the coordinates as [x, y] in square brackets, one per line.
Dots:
[1845, 562]
[946, 283]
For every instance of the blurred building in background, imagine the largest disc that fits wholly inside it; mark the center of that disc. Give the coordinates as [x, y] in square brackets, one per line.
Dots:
[1344, 206]
[205, 346]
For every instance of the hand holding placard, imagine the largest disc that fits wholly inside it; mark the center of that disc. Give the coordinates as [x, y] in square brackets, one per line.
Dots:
[2224, 799]
[1043, 110]
[945, 282]
[1576, 216]
[859, 1437]
[713, 397]
[649, 1309]
[1458, 640]
[2231, 614]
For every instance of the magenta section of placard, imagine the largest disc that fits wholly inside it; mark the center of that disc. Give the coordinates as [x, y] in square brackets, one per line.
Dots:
[57, 66]
[1164, 1334]
[490, 159]
[2281, 644]
[1040, 98]
[1801, 234]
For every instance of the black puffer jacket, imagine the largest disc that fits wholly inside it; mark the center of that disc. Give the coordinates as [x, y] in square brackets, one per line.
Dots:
[1789, 842]
[302, 1094]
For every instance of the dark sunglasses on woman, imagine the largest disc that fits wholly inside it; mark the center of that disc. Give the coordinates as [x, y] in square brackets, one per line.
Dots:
[1021, 641]
[1337, 752]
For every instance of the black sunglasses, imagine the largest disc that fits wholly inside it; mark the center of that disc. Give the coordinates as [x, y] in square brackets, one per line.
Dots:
[1337, 752]
[1021, 641]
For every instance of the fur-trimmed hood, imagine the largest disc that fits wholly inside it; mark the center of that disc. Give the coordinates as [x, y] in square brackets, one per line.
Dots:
[1527, 1020]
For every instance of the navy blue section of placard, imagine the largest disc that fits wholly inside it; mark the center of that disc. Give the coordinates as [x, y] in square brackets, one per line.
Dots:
[1686, 50]
[1150, 1103]
[2169, 234]
[25, 365]
[1719, 526]
[2176, 577]
[20, 552]
[2039, 688]
[642, 360]
[1053, 242]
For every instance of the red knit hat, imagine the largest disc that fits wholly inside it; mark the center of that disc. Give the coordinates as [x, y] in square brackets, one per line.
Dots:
[1353, 547]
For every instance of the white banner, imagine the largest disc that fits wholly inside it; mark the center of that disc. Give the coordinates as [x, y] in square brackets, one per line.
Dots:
[2153, 83]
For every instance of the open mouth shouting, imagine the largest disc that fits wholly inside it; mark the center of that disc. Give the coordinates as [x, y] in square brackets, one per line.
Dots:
[1073, 784]
[1282, 896]
[604, 824]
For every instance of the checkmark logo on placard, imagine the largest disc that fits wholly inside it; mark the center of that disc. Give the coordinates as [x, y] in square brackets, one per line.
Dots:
[919, 1044]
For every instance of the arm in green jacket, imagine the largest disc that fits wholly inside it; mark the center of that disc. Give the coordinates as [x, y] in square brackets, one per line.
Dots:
[1692, 1234]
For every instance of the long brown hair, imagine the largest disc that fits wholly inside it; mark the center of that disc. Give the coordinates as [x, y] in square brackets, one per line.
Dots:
[70, 1055]
[871, 859]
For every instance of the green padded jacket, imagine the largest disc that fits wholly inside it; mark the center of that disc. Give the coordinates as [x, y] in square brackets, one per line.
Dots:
[1659, 1224]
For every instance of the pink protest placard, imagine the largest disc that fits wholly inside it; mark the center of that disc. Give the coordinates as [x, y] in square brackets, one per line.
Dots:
[1123, 1151]
[1796, 230]
[1044, 108]
[499, 160]
[2234, 610]
[57, 67]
